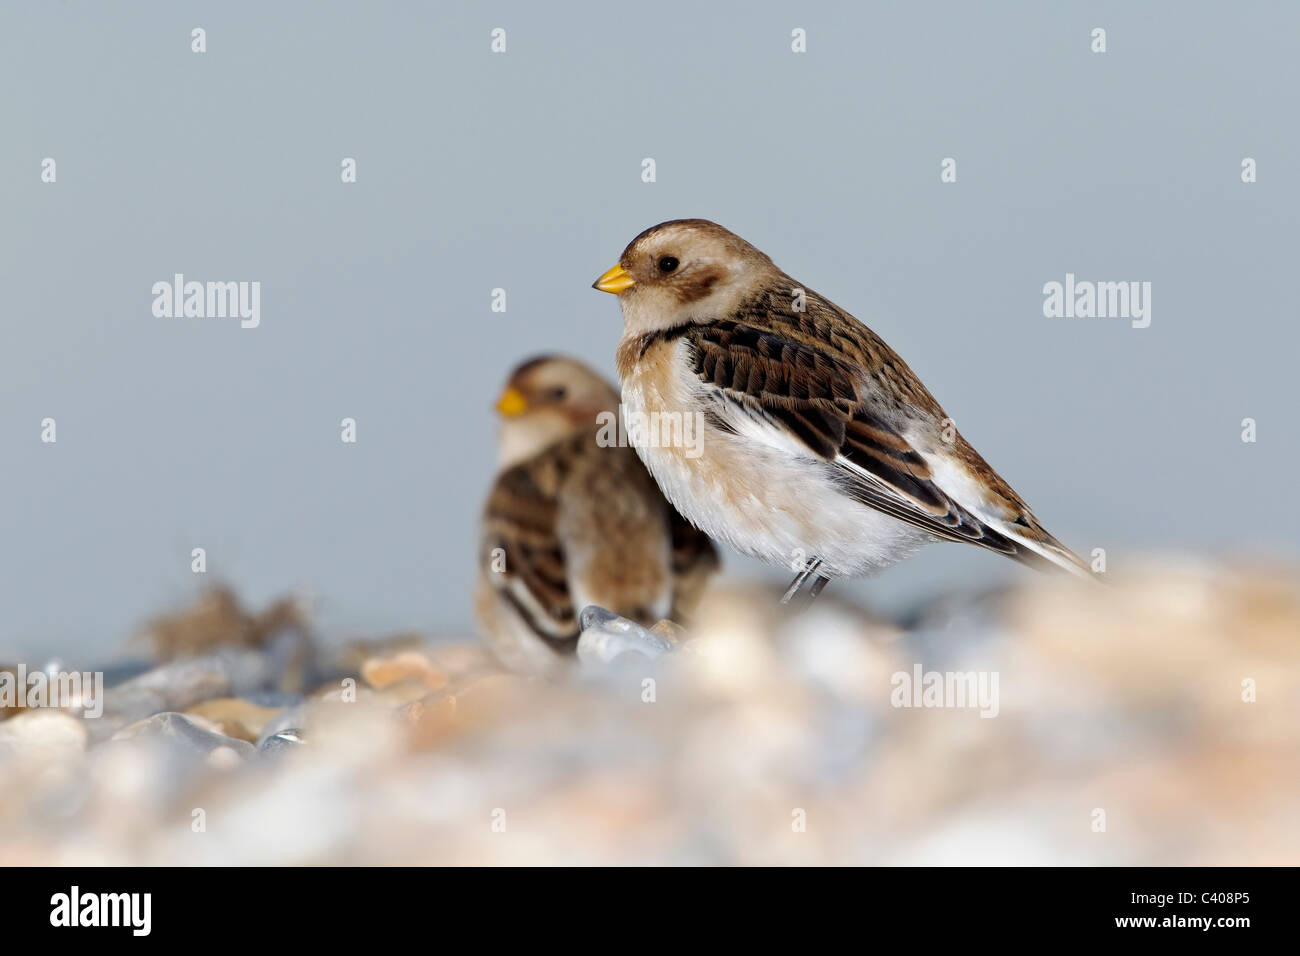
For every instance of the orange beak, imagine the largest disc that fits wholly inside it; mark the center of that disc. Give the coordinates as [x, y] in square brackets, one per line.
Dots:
[512, 403]
[614, 281]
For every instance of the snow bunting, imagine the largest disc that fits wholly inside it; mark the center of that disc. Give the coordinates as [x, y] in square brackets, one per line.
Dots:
[821, 449]
[572, 521]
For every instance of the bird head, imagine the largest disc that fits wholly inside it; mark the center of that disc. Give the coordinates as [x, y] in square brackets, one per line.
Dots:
[684, 271]
[547, 399]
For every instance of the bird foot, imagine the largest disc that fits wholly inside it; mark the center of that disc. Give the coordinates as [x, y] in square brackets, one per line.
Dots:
[809, 573]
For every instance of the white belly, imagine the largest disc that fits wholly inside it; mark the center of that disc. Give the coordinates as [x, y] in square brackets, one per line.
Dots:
[765, 499]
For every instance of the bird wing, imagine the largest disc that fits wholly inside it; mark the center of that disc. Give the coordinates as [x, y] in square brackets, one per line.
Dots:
[580, 524]
[818, 395]
[613, 522]
[694, 561]
[522, 552]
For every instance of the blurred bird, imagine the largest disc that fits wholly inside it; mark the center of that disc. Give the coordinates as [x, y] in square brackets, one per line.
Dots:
[573, 520]
[821, 449]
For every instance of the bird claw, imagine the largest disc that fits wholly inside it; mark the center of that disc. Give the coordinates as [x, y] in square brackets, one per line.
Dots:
[819, 581]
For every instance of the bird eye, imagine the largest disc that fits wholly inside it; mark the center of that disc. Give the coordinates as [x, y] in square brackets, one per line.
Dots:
[557, 394]
[667, 264]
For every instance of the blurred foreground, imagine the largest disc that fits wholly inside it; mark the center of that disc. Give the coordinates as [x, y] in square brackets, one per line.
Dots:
[1154, 722]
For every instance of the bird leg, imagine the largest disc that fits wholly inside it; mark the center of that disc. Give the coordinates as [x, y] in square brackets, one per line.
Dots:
[801, 578]
[816, 589]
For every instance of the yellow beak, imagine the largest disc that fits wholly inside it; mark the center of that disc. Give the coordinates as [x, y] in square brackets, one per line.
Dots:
[512, 403]
[615, 281]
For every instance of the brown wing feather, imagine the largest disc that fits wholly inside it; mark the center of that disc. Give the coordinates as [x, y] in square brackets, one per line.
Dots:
[840, 390]
[520, 519]
[608, 499]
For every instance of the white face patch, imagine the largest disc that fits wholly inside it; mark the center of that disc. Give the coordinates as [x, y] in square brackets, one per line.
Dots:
[655, 305]
[521, 438]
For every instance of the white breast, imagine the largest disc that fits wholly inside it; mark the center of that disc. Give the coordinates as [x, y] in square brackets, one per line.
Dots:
[758, 489]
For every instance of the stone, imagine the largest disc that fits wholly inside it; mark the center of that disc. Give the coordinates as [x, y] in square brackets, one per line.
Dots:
[275, 699]
[196, 734]
[344, 691]
[9, 711]
[288, 719]
[403, 692]
[351, 656]
[181, 684]
[281, 741]
[462, 660]
[382, 672]
[235, 717]
[670, 631]
[46, 736]
[606, 636]
[500, 696]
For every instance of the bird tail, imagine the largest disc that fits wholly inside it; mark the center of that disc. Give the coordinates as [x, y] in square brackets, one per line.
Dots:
[1038, 549]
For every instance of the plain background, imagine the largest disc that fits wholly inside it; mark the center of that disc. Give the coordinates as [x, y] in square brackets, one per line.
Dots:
[522, 171]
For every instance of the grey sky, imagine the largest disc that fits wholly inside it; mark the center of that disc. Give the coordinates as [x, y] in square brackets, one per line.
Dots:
[522, 171]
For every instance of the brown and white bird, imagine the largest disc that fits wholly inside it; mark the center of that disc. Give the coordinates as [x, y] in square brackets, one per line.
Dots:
[821, 449]
[575, 520]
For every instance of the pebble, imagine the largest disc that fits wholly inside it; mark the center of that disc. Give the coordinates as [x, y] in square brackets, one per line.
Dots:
[351, 656]
[671, 631]
[281, 741]
[288, 719]
[402, 693]
[499, 696]
[383, 672]
[275, 699]
[181, 684]
[235, 717]
[6, 712]
[462, 660]
[47, 736]
[345, 691]
[754, 720]
[606, 636]
[292, 657]
[198, 735]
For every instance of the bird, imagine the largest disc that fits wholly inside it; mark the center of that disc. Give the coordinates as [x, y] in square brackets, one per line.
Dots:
[574, 519]
[820, 449]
